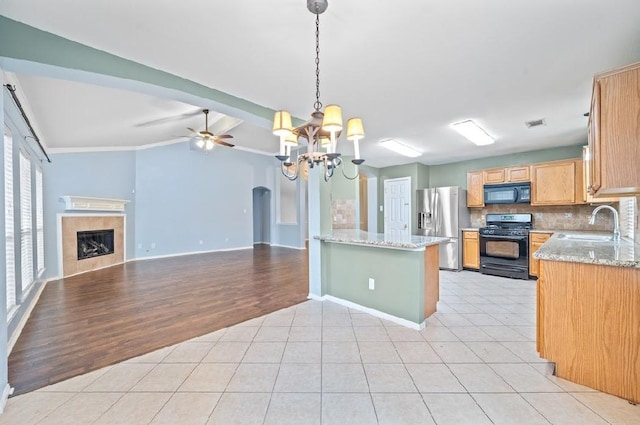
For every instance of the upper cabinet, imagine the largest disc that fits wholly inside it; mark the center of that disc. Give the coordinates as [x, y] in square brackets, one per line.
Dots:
[614, 133]
[552, 183]
[518, 174]
[557, 183]
[475, 190]
[506, 175]
[494, 176]
[586, 171]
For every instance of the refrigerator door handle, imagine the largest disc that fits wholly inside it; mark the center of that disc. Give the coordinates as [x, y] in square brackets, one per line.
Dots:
[435, 208]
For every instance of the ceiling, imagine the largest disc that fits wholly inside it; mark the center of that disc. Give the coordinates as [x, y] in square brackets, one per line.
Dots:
[408, 70]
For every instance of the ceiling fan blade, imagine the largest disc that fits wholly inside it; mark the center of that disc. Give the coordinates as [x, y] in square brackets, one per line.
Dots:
[220, 142]
[193, 131]
[224, 136]
[169, 119]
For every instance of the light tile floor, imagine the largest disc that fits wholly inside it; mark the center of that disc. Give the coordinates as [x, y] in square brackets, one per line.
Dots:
[321, 363]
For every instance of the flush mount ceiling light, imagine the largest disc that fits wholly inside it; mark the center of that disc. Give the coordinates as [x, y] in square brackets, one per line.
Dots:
[473, 132]
[321, 131]
[402, 149]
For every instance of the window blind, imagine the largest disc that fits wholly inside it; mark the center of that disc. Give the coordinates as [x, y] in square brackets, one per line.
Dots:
[39, 222]
[10, 265]
[26, 224]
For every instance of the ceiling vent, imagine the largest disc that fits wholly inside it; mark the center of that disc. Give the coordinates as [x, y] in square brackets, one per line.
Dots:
[535, 123]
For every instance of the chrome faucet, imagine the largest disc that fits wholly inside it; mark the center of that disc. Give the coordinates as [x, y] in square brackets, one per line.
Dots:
[616, 221]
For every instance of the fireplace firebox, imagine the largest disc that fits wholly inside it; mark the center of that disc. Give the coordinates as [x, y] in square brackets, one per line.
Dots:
[95, 243]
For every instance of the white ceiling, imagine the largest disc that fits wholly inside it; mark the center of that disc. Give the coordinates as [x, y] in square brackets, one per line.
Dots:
[409, 68]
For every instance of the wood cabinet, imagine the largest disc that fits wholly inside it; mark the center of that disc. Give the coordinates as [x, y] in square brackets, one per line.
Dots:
[471, 249]
[475, 189]
[506, 175]
[518, 174]
[614, 125]
[557, 183]
[535, 241]
[494, 176]
[586, 173]
[587, 323]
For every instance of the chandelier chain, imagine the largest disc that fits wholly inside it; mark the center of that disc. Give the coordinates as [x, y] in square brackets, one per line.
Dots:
[317, 105]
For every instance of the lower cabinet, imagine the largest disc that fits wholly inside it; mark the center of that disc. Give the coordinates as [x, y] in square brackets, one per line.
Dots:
[471, 249]
[535, 241]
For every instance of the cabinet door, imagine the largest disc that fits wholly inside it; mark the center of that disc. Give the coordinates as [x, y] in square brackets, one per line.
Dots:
[593, 184]
[586, 172]
[475, 189]
[536, 240]
[495, 176]
[556, 183]
[471, 250]
[615, 129]
[518, 174]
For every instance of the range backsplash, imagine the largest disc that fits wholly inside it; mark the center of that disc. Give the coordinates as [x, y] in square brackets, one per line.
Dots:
[574, 217]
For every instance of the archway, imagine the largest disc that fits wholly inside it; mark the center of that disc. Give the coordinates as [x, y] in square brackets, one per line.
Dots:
[261, 215]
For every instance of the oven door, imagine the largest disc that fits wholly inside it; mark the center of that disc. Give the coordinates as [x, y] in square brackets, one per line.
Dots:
[505, 255]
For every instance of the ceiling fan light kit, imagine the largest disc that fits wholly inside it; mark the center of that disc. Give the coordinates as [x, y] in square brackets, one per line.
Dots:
[321, 131]
[206, 140]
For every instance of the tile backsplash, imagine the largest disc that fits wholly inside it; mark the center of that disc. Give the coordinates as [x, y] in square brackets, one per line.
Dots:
[343, 213]
[575, 217]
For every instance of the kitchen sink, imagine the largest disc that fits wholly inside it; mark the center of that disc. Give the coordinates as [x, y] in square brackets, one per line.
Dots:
[586, 238]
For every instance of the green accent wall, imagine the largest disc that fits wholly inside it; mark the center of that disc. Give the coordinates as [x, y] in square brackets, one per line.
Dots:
[398, 274]
[455, 174]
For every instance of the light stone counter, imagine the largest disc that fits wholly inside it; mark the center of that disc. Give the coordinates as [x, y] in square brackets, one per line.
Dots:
[624, 253]
[380, 240]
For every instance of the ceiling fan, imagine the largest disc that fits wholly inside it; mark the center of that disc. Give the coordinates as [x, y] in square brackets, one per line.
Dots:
[205, 139]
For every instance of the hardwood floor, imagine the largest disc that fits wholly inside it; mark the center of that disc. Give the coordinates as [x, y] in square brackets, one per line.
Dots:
[83, 323]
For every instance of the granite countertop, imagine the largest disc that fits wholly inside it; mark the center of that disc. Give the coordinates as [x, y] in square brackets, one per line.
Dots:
[470, 229]
[624, 253]
[360, 237]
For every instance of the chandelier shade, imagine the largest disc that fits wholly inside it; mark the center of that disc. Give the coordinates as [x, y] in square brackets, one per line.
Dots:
[321, 131]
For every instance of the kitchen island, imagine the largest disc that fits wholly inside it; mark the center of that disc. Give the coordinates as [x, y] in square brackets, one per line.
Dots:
[588, 319]
[396, 278]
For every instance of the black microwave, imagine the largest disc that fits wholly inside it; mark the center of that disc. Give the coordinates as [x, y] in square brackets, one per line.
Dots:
[510, 193]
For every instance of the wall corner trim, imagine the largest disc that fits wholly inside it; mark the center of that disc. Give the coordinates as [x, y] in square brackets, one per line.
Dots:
[4, 397]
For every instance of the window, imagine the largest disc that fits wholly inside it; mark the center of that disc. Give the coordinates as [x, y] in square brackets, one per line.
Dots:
[39, 222]
[26, 225]
[8, 223]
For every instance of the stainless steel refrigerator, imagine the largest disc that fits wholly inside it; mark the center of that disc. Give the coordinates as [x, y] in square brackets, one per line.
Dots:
[443, 212]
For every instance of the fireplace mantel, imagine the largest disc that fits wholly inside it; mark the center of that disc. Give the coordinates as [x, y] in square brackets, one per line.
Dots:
[83, 203]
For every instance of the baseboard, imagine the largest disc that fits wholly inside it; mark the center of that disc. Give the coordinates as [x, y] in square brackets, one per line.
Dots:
[371, 311]
[288, 246]
[182, 254]
[23, 320]
[5, 396]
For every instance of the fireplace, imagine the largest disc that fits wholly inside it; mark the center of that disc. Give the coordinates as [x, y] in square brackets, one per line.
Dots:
[94, 243]
[90, 242]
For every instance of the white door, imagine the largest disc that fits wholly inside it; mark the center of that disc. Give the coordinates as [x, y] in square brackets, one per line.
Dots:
[397, 207]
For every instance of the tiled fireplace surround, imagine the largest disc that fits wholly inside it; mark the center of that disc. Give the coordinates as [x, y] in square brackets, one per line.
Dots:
[73, 223]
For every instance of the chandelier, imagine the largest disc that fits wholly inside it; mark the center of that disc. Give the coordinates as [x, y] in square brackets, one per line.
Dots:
[321, 131]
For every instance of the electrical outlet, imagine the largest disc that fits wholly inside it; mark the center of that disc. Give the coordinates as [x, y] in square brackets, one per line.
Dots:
[139, 246]
[201, 241]
[380, 208]
[153, 245]
[226, 239]
[372, 283]
[568, 215]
